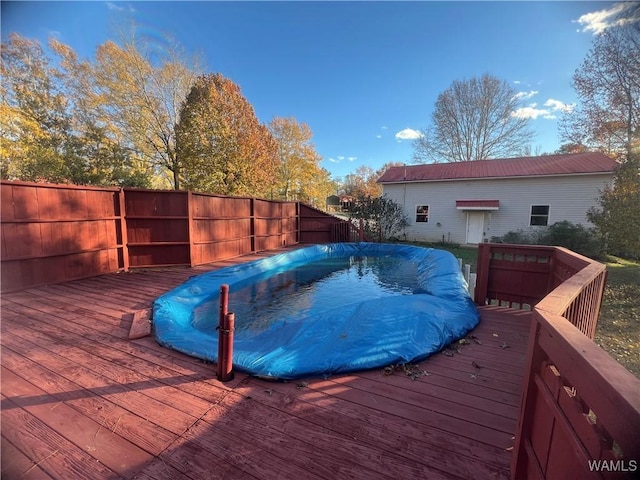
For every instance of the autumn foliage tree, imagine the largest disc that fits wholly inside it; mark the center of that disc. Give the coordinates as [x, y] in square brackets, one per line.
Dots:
[35, 123]
[617, 217]
[223, 147]
[299, 174]
[107, 121]
[141, 96]
[607, 117]
[363, 183]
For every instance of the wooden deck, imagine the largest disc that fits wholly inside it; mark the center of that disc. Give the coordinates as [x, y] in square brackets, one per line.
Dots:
[81, 400]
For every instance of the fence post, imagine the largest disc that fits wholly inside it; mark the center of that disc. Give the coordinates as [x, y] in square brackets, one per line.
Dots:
[122, 205]
[190, 230]
[361, 231]
[252, 224]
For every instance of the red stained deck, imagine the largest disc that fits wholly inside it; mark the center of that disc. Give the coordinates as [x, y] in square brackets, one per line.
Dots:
[81, 400]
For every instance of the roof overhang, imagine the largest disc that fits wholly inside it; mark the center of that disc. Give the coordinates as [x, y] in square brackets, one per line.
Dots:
[477, 204]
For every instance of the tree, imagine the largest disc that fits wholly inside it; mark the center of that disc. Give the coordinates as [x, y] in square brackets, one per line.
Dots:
[223, 147]
[140, 95]
[362, 183]
[474, 119]
[34, 123]
[608, 86]
[617, 219]
[299, 174]
[382, 217]
[57, 122]
[566, 148]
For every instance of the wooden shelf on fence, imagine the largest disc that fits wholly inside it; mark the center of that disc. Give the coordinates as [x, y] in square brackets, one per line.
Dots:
[64, 254]
[160, 265]
[156, 244]
[58, 220]
[157, 217]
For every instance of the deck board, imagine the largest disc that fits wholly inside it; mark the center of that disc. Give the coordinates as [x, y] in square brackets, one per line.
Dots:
[81, 400]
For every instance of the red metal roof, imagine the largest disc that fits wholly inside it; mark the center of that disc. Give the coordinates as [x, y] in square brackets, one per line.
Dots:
[477, 204]
[565, 164]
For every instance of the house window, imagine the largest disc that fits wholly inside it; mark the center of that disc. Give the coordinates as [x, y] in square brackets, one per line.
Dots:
[422, 213]
[539, 215]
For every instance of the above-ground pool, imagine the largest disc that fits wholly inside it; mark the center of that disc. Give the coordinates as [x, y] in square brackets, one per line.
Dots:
[322, 310]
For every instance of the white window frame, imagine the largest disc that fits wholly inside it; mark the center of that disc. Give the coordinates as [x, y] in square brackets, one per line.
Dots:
[422, 214]
[537, 215]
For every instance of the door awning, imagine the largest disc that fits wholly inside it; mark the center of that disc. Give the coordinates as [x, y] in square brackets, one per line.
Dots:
[477, 204]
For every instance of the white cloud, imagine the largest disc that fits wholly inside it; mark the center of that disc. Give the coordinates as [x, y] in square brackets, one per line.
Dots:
[120, 7]
[526, 95]
[552, 105]
[408, 134]
[517, 82]
[340, 158]
[621, 13]
[378, 136]
[384, 128]
[533, 112]
[558, 105]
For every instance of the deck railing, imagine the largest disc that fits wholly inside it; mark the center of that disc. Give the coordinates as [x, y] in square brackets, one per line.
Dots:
[580, 409]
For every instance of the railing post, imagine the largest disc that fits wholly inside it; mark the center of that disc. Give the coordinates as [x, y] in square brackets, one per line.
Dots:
[482, 272]
[361, 231]
[226, 324]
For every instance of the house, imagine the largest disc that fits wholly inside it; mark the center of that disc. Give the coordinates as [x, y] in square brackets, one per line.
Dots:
[471, 202]
[339, 203]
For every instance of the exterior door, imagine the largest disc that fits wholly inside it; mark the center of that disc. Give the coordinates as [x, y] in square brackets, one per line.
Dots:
[475, 227]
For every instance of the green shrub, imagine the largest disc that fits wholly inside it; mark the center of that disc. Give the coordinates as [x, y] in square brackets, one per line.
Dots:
[382, 217]
[519, 237]
[563, 234]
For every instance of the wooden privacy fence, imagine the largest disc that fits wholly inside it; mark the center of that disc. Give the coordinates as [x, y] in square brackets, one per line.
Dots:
[580, 409]
[53, 233]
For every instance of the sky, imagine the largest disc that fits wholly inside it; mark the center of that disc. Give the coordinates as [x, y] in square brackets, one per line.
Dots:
[363, 75]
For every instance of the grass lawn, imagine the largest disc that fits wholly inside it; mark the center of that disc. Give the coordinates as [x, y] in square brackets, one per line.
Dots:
[469, 255]
[619, 323]
[618, 330]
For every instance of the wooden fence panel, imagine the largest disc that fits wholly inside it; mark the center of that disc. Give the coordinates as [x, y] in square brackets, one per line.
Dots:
[290, 222]
[53, 233]
[221, 228]
[316, 225]
[157, 227]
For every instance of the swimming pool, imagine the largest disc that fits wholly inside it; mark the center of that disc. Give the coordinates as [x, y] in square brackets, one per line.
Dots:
[324, 309]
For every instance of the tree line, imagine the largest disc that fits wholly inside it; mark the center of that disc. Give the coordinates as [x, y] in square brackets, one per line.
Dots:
[131, 116]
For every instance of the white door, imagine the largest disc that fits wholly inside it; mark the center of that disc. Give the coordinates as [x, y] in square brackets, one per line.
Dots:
[475, 227]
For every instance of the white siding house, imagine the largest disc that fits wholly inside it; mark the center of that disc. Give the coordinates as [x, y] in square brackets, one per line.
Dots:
[471, 202]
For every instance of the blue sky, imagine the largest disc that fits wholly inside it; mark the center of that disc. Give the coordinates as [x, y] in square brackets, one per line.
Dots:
[363, 75]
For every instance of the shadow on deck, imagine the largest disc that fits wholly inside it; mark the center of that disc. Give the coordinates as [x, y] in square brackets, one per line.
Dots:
[80, 400]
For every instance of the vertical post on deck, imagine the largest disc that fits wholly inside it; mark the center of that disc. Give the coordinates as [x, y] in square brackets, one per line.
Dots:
[225, 348]
[482, 273]
[361, 231]
[226, 323]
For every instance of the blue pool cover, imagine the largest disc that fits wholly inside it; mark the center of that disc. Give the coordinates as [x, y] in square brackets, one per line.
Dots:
[338, 339]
